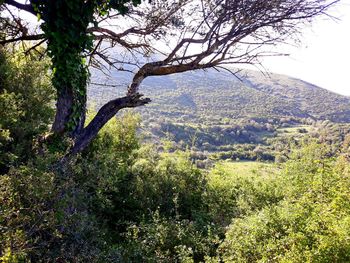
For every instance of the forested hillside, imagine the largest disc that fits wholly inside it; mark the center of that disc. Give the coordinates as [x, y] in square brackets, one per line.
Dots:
[206, 96]
[313, 101]
[218, 115]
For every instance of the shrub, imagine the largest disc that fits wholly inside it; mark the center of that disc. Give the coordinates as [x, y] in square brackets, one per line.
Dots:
[233, 194]
[25, 104]
[168, 240]
[311, 224]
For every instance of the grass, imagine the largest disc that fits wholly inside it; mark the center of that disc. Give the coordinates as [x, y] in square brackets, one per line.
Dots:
[247, 168]
[294, 130]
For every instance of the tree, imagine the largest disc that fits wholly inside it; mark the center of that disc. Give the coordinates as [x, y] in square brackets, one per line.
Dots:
[154, 38]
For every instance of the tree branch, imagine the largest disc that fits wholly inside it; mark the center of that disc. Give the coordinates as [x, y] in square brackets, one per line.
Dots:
[23, 38]
[24, 7]
[108, 111]
[105, 33]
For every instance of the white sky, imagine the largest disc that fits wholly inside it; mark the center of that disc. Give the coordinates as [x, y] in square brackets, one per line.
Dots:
[323, 58]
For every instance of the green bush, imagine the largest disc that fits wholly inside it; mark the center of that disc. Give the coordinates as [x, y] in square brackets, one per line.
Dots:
[26, 105]
[311, 223]
[168, 240]
[130, 185]
[233, 194]
[43, 219]
[131, 182]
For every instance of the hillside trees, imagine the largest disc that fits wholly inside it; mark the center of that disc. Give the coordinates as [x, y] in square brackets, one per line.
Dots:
[147, 39]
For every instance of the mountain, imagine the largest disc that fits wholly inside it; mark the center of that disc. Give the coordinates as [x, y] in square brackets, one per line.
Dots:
[217, 112]
[310, 99]
[208, 95]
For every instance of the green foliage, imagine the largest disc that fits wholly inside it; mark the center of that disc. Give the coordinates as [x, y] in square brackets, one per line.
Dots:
[44, 216]
[25, 104]
[119, 202]
[122, 202]
[25, 194]
[239, 189]
[117, 139]
[131, 182]
[171, 184]
[311, 223]
[168, 240]
[141, 190]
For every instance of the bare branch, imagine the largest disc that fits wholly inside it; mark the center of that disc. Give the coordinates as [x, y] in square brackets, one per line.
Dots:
[24, 7]
[23, 38]
[224, 32]
[109, 110]
[34, 47]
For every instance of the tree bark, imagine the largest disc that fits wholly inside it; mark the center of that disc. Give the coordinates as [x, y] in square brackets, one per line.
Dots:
[64, 109]
[81, 121]
[108, 111]
[64, 106]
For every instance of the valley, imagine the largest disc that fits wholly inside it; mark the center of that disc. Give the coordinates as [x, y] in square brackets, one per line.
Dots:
[218, 116]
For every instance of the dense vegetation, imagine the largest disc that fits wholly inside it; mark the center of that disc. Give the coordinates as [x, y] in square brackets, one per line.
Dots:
[126, 201]
[25, 104]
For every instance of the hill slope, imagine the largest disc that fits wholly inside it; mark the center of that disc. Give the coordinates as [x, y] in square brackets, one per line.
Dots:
[310, 99]
[217, 112]
[212, 95]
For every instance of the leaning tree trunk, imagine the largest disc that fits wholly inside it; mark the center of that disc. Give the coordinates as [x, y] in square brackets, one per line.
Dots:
[108, 111]
[63, 110]
[65, 27]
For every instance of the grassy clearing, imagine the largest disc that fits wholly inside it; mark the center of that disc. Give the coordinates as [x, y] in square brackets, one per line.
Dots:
[247, 168]
[294, 130]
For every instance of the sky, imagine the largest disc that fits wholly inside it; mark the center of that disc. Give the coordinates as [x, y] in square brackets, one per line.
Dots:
[323, 56]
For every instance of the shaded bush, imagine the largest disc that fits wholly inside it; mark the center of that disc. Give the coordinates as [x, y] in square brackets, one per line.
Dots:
[26, 98]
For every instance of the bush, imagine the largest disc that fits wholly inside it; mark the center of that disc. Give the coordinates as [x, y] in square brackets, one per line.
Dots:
[26, 97]
[311, 224]
[234, 194]
[139, 189]
[44, 217]
[168, 240]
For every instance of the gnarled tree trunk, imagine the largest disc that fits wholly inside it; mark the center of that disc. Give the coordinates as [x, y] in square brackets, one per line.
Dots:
[64, 109]
[108, 111]
[64, 106]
